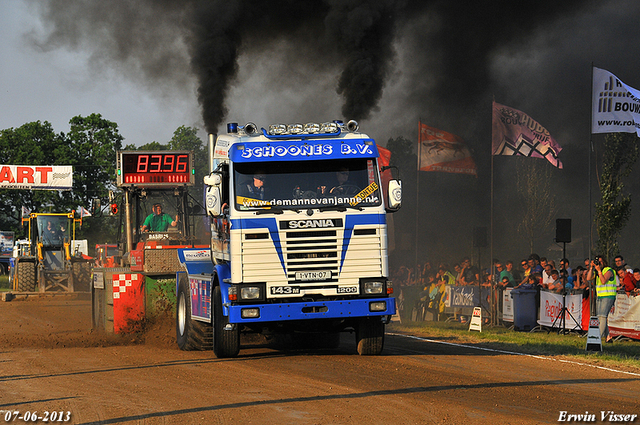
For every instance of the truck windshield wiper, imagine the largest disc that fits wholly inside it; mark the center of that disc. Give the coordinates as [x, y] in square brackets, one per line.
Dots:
[272, 210]
[341, 207]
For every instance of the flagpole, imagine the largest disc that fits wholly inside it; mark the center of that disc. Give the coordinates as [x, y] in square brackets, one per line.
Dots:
[493, 320]
[417, 194]
[592, 298]
[589, 173]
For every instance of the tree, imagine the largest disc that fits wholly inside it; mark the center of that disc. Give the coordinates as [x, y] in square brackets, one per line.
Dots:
[534, 178]
[33, 143]
[186, 139]
[614, 210]
[92, 145]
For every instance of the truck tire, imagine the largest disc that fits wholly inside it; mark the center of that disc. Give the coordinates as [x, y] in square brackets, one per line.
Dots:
[26, 274]
[370, 336]
[191, 335]
[226, 343]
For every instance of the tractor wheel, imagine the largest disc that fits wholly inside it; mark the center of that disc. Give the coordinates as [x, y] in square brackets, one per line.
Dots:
[26, 274]
[370, 336]
[191, 335]
[226, 342]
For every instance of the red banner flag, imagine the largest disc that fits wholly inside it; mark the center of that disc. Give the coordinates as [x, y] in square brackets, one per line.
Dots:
[445, 152]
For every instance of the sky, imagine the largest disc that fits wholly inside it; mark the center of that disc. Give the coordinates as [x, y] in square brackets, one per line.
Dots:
[445, 66]
[152, 66]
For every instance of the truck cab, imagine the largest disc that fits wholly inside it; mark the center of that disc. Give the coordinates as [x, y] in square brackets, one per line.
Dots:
[298, 238]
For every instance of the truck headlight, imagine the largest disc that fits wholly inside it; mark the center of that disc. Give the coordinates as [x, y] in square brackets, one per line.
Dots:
[378, 306]
[250, 293]
[373, 288]
[250, 313]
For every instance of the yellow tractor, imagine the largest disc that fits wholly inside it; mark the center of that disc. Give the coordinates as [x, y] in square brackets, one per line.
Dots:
[47, 263]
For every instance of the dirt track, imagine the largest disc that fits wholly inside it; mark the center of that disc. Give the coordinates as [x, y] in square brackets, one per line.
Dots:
[51, 361]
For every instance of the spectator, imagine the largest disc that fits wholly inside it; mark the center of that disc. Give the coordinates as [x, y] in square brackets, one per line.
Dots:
[627, 281]
[564, 265]
[530, 283]
[636, 276]
[526, 271]
[547, 279]
[605, 292]
[543, 262]
[534, 263]
[445, 275]
[507, 273]
[580, 282]
[514, 272]
[619, 263]
[458, 273]
[470, 274]
[505, 283]
[556, 285]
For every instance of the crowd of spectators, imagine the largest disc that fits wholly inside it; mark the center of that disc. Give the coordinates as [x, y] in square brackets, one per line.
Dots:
[428, 282]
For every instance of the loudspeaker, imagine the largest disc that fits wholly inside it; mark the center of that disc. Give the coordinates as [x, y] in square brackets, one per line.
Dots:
[479, 237]
[563, 230]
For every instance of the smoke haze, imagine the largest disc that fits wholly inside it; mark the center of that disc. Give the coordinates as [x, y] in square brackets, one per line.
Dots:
[387, 64]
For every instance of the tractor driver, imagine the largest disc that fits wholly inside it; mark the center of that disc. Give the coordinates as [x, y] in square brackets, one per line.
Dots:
[51, 234]
[158, 221]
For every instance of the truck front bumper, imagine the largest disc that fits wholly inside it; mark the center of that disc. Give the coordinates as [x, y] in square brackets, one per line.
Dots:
[312, 310]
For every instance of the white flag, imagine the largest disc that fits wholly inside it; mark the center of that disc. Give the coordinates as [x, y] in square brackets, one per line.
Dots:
[25, 211]
[615, 106]
[83, 212]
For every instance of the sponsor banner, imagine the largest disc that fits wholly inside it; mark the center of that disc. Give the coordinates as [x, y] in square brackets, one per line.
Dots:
[368, 195]
[516, 133]
[197, 255]
[551, 307]
[445, 152]
[624, 318]
[51, 177]
[300, 151]
[507, 305]
[462, 296]
[200, 298]
[615, 106]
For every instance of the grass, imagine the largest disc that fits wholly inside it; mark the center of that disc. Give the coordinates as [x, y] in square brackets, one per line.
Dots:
[4, 283]
[621, 354]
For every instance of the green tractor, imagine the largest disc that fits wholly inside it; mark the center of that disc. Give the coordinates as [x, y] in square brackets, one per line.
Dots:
[46, 263]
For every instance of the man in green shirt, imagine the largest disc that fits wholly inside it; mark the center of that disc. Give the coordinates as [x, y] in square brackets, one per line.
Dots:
[158, 221]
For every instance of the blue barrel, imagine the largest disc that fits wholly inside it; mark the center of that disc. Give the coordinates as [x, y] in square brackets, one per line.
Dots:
[525, 312]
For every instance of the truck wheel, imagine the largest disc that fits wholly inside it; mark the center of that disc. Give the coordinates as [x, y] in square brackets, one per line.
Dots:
[26, 274]
[191, 335]
[370, 336]
[226, 343]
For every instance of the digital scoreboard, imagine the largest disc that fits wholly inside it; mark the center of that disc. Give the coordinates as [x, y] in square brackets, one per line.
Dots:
[155, 168]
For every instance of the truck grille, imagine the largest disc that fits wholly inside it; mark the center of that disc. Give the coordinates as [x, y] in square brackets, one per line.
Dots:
[311, 250]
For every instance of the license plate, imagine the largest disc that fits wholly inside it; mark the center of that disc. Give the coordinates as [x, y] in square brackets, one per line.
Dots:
[275, 290]
[316, 275]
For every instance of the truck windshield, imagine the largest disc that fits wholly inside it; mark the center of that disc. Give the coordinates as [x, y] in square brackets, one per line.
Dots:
[53, 230]
[306, 184]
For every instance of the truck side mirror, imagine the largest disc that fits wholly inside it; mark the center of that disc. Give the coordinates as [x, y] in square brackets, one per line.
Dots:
[213, 197]
[394, 195]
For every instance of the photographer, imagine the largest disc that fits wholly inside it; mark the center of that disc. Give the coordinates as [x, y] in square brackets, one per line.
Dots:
[605, 292]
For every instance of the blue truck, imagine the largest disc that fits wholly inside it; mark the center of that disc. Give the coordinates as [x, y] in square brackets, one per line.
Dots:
[298, 240]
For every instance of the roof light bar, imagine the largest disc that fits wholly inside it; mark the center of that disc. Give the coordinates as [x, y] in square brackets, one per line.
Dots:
[332, 128]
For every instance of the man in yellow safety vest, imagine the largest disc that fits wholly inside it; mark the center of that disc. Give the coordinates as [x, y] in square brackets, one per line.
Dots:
[605, 291]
